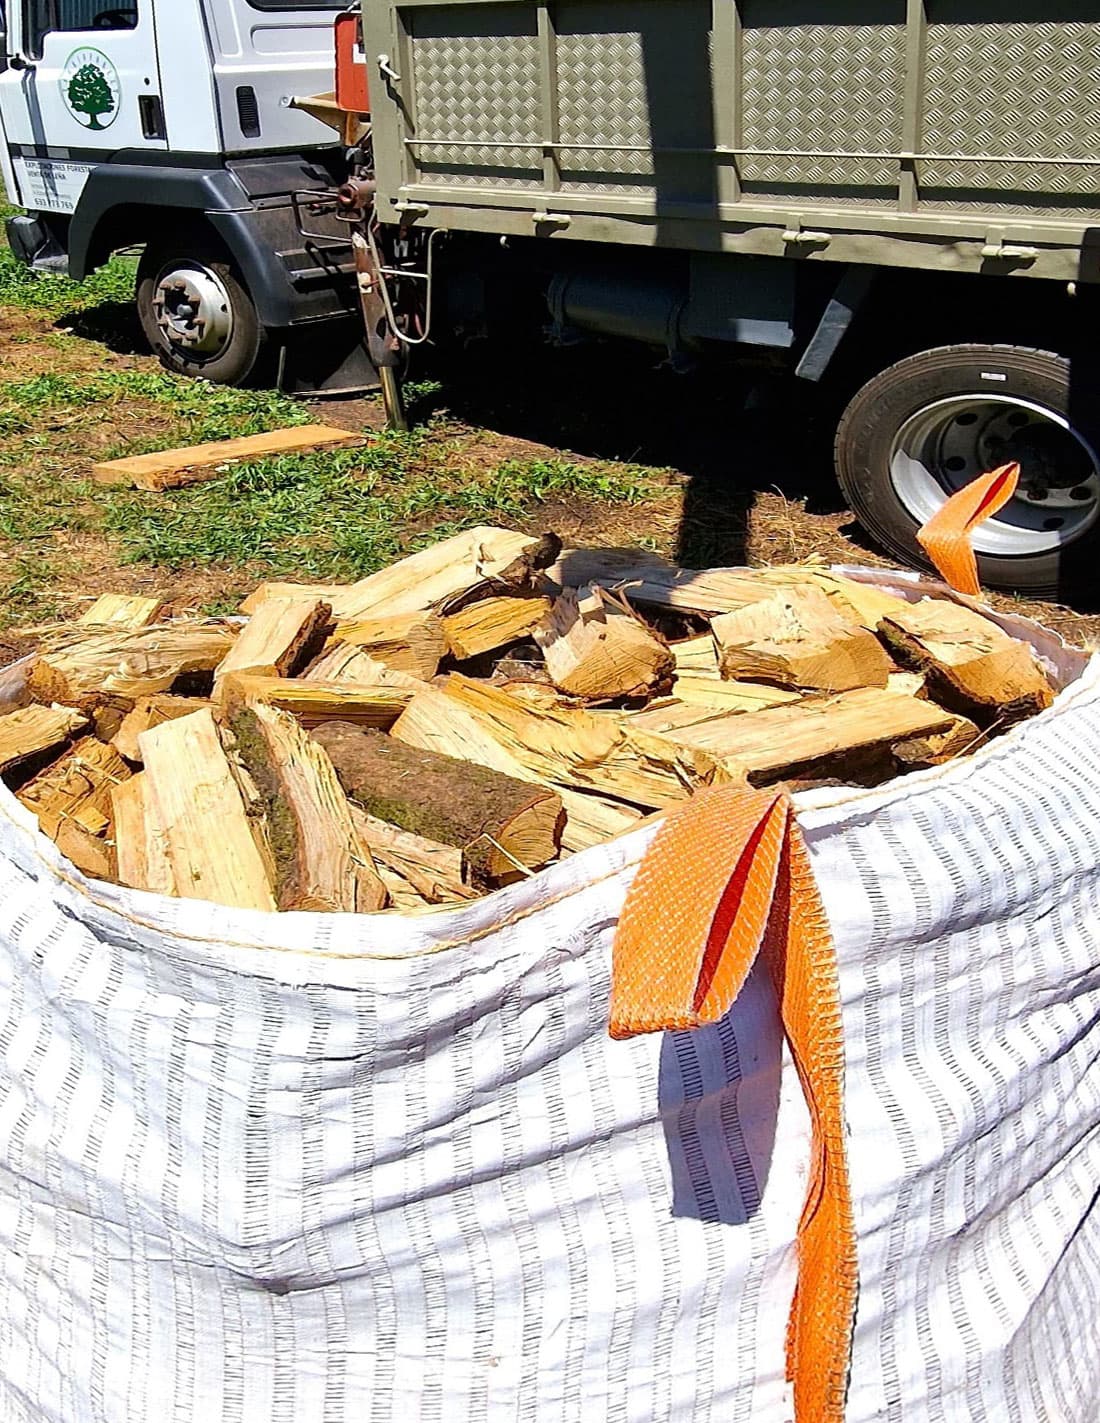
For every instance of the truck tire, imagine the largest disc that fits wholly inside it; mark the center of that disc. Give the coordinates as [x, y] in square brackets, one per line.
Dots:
[197, 313]
[930, 424]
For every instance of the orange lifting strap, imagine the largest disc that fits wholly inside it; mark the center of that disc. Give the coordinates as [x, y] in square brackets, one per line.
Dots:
[946, 536]
[728, 877]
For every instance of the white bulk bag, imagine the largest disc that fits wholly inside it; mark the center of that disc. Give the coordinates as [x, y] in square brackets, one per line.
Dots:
[302, 1169]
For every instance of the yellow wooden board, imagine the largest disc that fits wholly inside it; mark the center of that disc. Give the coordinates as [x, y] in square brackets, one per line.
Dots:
[168, 469]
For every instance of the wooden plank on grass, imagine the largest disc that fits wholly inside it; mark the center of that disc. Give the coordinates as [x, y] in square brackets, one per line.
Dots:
[169, 469]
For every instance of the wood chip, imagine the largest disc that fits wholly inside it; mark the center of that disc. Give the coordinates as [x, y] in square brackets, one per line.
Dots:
[696, 657]
[169, 469]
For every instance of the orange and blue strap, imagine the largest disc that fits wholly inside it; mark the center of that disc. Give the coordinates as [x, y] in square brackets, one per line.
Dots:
[727, 879]
[946, 536]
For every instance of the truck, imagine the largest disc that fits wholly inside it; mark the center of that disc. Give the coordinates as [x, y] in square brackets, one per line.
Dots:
[893, 200]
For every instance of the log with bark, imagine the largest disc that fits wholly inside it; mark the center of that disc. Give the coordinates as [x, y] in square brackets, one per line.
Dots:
[505, 828]
[320, 863]
[970, 664]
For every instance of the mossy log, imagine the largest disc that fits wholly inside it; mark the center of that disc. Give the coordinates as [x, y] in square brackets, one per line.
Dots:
[504, 827]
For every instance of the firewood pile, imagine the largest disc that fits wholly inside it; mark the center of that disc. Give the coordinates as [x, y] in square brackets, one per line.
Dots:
[466, 717]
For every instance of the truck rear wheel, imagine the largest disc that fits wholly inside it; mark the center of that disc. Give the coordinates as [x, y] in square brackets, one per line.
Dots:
[924, 428]
[197, 313]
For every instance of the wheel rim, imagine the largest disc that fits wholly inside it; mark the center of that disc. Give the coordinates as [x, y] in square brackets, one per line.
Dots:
[193, 311]
[947, 444]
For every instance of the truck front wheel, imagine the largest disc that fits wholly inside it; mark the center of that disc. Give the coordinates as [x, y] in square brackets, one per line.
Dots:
[921, 430]
[197, 313]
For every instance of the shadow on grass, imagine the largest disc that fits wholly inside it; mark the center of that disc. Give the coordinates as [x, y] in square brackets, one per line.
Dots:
[113, 324]
[734, 433]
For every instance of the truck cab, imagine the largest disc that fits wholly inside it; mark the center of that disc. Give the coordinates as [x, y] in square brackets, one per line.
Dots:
[173, 125]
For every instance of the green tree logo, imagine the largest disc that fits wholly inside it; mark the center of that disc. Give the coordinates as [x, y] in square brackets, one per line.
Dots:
[89, 93]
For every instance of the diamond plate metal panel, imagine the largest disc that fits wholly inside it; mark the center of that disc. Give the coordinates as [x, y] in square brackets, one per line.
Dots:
[824, 87]
[1031, 89]
[639, 75]
[476, 79]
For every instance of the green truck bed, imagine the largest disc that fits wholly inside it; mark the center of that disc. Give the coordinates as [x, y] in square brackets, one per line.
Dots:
[946, 134]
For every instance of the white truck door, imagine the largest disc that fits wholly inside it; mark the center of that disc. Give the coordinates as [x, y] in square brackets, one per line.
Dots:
[266, 52]
[82, 82]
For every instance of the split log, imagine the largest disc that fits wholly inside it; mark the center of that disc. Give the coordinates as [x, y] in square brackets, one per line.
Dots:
[795, 638]
[72, 800]
[594, 820]
[696, 657]
[482, 558]
[433, 870]
[340, 662]
[493, 622]
[503, 827]
[169, 469]
[31, 731]
[316, 702]
[195, 803]
[864, 603]
[141, 853]
[413, 643]
[279, 636]
[123, 666]
[823, 737]
[583, 750]
[77, 787]
[718, 695]
[404, 897]
[320, 864]
[118, 611]
[920, 753]
[970, 664]
[599, 650]
[148, 712]
[652, 581]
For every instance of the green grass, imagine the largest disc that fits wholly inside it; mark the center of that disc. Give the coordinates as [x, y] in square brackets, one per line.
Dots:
[332, 515]
[345, 514]
[54, 296]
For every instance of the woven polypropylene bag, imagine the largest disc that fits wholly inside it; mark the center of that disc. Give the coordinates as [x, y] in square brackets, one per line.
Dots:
[330, 1168]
